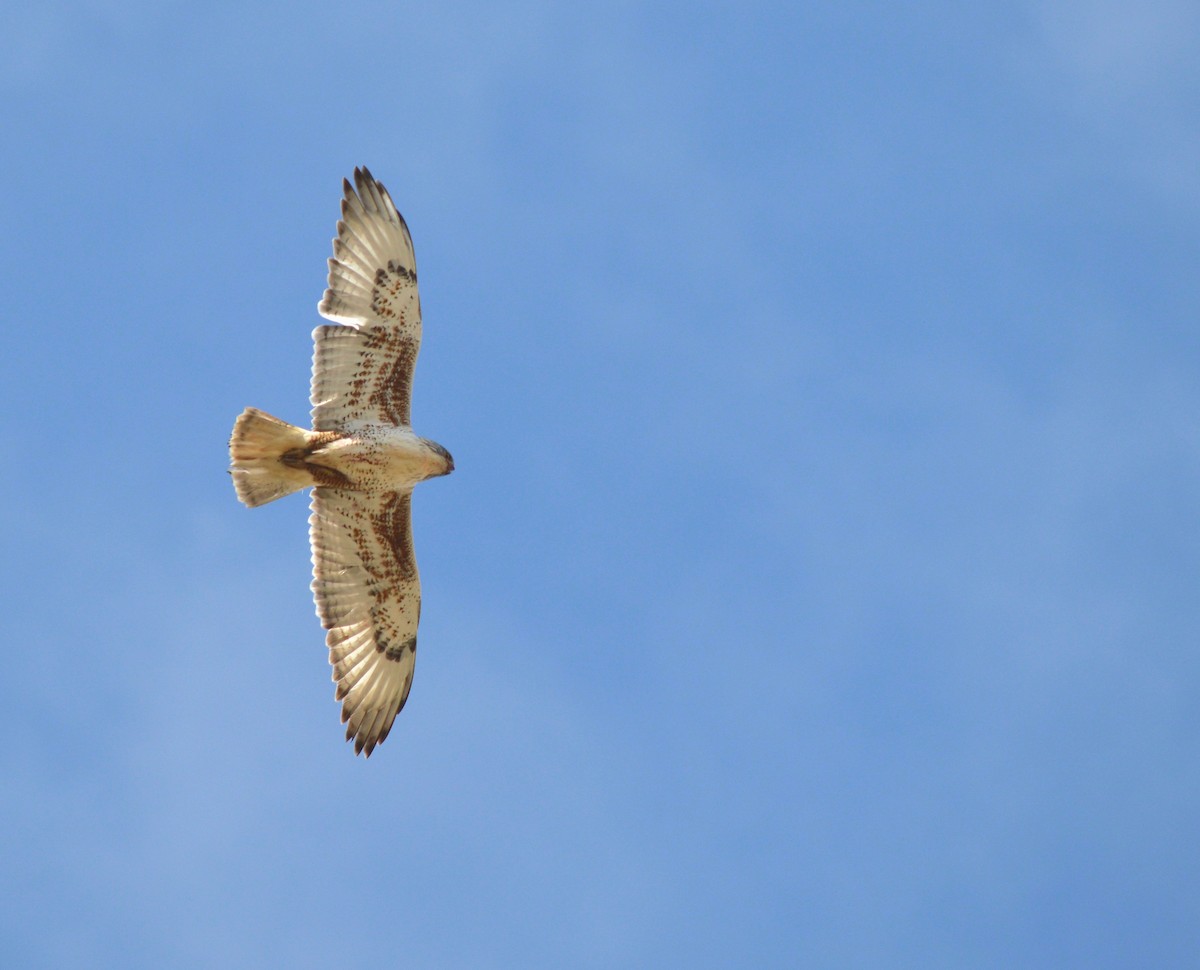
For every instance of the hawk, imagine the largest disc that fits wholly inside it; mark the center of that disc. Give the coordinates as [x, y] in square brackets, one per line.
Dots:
[362, 460]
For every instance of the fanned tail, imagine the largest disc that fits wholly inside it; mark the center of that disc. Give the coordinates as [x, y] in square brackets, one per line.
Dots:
[256, 448]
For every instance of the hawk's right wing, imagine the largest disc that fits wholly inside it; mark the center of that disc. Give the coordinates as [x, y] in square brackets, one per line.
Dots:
[362, 372]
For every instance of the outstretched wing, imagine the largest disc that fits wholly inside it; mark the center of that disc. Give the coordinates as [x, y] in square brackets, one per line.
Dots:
[362, 372]
[368, 596]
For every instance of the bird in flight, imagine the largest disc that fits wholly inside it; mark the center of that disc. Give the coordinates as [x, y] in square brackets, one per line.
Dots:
[362, 460]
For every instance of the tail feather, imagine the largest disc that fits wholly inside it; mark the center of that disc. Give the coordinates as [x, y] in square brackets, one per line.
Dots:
[255, 447]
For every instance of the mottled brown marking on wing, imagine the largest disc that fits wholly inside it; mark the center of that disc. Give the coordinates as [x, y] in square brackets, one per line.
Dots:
[393, 528]
[393, 394]
[396, 653]
[383, 542]
[390, 282]
[380, 386]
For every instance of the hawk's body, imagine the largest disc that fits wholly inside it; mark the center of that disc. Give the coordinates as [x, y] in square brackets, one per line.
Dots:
[363, 459]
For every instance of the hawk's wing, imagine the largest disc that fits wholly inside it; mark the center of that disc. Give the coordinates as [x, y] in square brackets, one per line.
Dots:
[362, 372]
[368, 596]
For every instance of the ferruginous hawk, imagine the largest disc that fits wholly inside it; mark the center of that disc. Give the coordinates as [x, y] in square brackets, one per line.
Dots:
[362, 459]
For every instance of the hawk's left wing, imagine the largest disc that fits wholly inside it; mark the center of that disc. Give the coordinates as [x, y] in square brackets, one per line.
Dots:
[368, 596]
[362, 372]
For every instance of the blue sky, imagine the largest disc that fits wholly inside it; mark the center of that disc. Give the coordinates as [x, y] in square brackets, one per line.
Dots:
[818, 582]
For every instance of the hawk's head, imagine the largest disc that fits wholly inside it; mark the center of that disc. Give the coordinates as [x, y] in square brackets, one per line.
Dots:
[438, 459]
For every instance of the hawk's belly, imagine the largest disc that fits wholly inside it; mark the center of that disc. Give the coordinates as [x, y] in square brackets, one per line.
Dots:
[377, 459]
